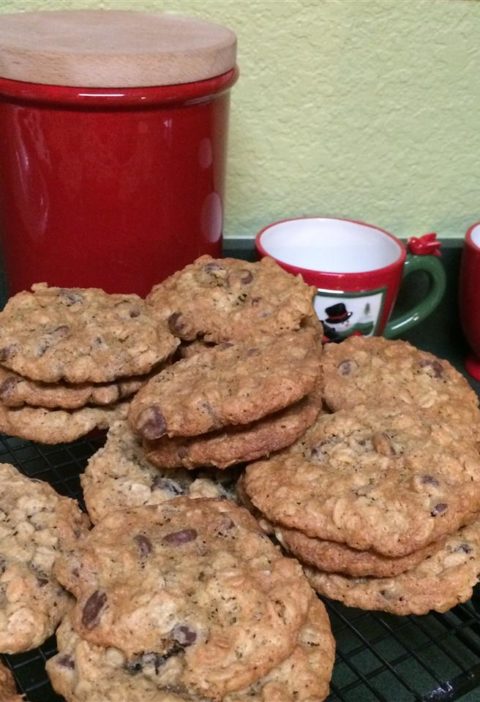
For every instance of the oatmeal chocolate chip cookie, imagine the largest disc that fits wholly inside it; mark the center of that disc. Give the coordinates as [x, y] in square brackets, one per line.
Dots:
[227, 385]
[8, 691]
[81, 335]
[119, 476]
[390, 479]
[362, 370]
[438, 583]
[234, 445]
[192, 584]
[229, 299]
[32, 602]
[83, 672]
[333, 557]
[58, 426]
[17, 391]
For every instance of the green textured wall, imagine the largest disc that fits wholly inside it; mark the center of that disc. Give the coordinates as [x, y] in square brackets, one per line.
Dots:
[361, 108]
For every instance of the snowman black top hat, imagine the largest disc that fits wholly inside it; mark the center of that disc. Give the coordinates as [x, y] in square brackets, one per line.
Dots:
[336, 314]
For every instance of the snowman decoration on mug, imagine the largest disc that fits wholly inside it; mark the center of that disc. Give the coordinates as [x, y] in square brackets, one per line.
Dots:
[338, 326]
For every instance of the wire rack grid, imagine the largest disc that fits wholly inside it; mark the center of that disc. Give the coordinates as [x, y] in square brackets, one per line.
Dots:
[380, 657]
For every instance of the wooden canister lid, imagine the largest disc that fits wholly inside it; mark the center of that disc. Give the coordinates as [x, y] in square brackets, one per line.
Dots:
[112, 48]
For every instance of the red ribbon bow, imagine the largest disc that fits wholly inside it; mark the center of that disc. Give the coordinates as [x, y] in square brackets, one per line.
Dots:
[426, 245]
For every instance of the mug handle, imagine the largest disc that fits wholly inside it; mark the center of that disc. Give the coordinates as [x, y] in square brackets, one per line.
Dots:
[437, 279]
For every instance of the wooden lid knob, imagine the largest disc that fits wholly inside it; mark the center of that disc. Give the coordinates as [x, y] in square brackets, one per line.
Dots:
[112, 49]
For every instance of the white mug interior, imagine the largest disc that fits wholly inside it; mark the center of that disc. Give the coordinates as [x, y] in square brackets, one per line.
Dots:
[330, 245]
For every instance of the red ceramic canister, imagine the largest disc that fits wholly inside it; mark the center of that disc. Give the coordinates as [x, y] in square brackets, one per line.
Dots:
[113, 137]
[469, 298]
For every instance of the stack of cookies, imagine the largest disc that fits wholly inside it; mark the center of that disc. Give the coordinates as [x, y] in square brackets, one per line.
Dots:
[71, 359]
[32, 601]
[230, 403]
[248, 384]
[379, 499]
[187, 600]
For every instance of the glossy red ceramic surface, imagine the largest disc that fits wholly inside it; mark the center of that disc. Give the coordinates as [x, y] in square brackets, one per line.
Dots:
[110, 188]
[469, 298]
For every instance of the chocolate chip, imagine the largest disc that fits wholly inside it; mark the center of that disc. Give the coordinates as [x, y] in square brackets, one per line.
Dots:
[70, 297]
[239, 277]
[51, 338]
[464, 548]
[209, 410]
[3, 565]
[347, 367]
[176, 323]
[66, 661]
[151, 659]
[176, 538]
[318, 452]
[8, 386]
[433, 368]
[60, 332]
[429, 480]
[41, 577]
[439, 509]
[184, 635]
[144, 544]
[134, 313]
[152, 424]
[8, 351]
[213, 268]
[168, 485]
[225, 525]
[92, 608]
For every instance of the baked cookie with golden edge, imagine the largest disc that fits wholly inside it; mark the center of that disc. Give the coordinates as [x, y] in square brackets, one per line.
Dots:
[32, 602]
[366, 370]
[58, 426]
[81, 335]
[232, 300]
[119, 476]
[438, 583]
[17, 391]
[83, 672]
[387, 478]
[231, 384]
[8, 690]
[234, 445]
[192, 588]
[333, 557]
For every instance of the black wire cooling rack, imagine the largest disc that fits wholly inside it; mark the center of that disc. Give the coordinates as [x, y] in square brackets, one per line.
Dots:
[380, 658]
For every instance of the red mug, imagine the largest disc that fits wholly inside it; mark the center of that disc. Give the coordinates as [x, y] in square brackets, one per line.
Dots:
[469, 298]
[357, 269]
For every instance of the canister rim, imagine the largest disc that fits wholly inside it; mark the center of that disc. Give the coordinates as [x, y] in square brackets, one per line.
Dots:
[143, 97]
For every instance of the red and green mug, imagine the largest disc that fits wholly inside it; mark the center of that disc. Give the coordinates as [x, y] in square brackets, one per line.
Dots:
[357, 269]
